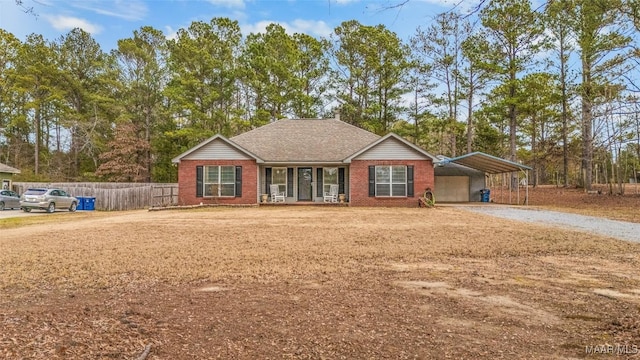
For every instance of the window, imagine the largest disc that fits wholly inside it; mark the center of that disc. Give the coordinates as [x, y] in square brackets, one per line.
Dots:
[391, 180]
[330, 177]
[219, 181]
[279, 177]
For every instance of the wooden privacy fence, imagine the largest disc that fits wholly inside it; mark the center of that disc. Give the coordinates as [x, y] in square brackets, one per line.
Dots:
[115, 196]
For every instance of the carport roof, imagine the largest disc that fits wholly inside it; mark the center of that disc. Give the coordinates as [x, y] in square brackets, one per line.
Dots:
[8, 169]
[487, 163]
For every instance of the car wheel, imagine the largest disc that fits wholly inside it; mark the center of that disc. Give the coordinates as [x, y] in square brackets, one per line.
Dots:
[26, 209]
[1, 205]
[73, 206]
[51, 208]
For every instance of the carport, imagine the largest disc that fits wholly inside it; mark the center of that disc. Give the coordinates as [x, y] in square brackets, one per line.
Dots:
[489, 164]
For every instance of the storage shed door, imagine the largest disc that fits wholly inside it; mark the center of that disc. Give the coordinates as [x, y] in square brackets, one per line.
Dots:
[452, 188]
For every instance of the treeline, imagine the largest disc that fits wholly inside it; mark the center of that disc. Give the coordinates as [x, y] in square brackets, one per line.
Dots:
[554, 87]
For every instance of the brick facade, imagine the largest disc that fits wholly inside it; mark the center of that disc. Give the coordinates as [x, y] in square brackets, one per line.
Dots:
[359, 178]
[187, 182]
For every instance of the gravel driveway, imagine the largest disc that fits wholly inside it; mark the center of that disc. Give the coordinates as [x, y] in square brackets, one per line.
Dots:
[617, 229]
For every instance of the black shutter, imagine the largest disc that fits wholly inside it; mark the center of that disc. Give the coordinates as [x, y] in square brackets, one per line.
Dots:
[341, 181]
[239, 181]
[372, 181]
[267, 177]
[199, 179]
[319, 182]
[410, 181]
[290, 182]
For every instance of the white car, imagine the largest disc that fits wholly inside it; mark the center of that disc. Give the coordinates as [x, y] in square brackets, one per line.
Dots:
[9, 200]
[47, 199]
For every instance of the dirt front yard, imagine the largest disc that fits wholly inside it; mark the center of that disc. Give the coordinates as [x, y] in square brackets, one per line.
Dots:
[313, 283]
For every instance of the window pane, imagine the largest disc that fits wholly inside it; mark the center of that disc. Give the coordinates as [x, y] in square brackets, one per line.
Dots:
[399, 190]
[382, 190]
[211, 189]
[330, 175]
[399, 174]
[228, 174]
[227, 190]
[211, 174]
[382, 174]
[279, 176]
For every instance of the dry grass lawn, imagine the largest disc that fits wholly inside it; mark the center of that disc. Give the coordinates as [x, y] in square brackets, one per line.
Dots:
[312, 283]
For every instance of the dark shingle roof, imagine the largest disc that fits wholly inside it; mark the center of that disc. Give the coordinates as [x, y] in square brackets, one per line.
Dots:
[310, 140]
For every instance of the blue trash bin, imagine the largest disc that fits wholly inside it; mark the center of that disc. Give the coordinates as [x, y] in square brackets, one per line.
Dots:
[89, 203]
[485, 195]
[80, 205]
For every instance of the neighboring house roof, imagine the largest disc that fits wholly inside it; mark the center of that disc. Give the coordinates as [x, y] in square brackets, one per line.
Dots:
[8, 169]
[202, 146]
[487, 163]
[388, 138]
[305, 140]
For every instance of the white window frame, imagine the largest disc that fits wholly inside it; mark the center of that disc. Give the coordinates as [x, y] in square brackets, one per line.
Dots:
[391, 180]
[282, 187]
[326, 186]
[207, 183]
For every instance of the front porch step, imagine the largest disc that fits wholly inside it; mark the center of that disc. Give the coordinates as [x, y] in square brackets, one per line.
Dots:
[303, 203]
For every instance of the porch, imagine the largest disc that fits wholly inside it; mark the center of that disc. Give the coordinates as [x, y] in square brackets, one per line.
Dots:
[302, 203]
[302, 184]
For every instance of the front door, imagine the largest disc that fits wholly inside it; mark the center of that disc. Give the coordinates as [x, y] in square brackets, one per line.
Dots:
[305, 192]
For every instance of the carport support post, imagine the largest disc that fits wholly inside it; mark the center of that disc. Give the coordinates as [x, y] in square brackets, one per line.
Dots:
[518, 191]
[526, 176]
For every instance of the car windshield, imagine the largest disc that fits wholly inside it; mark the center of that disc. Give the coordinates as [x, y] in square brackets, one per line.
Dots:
[35, 192]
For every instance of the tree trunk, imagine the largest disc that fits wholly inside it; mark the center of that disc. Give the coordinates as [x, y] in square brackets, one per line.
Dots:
[37, 120]
[587, 126]
[565, 125]
[470, 114]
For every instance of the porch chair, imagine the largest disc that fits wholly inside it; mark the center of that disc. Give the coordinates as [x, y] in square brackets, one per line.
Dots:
[276, 196]
[332, 195]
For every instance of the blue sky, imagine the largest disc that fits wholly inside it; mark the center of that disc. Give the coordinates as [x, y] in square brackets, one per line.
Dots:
[111, 20]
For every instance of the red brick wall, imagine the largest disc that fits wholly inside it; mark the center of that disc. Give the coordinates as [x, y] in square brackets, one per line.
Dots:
[359, 179]
[187, 182]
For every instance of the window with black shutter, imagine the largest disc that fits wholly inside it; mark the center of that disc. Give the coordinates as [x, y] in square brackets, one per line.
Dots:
[239, 181]
[267, 177]
[290, 182]
[199, 181]
[410, 180]
[319, 182]
[341, 181]
[372, 181]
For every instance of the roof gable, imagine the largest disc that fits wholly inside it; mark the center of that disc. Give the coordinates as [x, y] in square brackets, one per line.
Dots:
[305, 140]
[216, 147]
[391, 147]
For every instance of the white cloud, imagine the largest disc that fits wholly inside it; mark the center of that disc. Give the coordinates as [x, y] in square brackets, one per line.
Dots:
[65, 23]
[170, 33]
[310, 27]
[123, 9]
[237, 4]
[460, 6]
[342, 2]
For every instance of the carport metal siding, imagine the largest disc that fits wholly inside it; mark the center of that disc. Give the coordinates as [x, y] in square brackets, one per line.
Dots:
[492, 165]
[476, 179]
